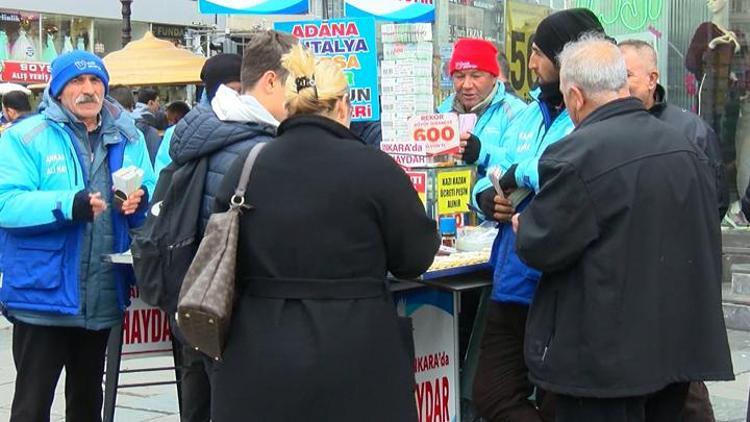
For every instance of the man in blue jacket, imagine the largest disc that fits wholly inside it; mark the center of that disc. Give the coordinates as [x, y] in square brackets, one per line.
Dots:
[501, 387]
[57, 219]
[475, 72]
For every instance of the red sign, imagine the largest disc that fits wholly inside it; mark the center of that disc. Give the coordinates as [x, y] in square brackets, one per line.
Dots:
[25, 72]
[145, 329]
[419, 180]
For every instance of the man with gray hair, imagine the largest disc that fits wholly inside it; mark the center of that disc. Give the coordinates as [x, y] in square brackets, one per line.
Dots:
[626, 233]
[643, 82]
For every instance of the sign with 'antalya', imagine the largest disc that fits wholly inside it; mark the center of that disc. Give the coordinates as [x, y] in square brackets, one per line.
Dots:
[351, 44]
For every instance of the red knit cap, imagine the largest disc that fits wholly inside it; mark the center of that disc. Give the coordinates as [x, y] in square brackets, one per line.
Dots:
[474, 54]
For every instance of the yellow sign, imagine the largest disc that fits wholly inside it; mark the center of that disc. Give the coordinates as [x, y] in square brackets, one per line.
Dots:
[453, 191]
[522, 20]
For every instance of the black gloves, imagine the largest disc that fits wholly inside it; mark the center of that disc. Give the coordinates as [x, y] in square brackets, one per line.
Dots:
[471, 151]
[82, 210]
[508, 181]
[486, 201]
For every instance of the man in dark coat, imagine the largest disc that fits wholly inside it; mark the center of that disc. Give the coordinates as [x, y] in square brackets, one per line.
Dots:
[643, 82]
[626, 232]
[220, 132]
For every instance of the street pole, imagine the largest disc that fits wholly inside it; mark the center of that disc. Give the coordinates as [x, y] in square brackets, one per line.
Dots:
[126, 30]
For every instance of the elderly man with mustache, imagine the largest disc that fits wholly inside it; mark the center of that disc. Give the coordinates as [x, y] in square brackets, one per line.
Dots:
[57, 218]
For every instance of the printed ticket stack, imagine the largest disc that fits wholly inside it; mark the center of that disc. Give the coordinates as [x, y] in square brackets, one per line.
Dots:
[127, 180]
[406, 77]
[420, 140]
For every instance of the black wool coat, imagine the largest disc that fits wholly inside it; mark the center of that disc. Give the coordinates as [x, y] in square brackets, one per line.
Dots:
[625, 229]
[315, 335]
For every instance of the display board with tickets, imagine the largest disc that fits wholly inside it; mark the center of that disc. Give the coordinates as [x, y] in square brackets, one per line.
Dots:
[424, 143]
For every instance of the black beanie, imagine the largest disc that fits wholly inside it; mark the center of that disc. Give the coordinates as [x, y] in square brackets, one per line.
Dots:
[220, 69]
[562, 27]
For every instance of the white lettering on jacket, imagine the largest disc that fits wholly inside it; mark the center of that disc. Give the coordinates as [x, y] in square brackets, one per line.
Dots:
[55, 164]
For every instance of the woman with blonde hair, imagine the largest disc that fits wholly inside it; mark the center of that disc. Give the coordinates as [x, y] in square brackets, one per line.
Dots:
[315, 335]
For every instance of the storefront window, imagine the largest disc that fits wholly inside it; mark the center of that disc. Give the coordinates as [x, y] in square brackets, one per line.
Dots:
[63, 34]
[19, 36]
[475, 19]
[21, 39]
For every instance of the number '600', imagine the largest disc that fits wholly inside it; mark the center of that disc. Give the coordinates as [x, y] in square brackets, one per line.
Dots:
[434, 134]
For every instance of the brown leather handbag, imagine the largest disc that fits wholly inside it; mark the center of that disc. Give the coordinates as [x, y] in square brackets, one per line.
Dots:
[204, 309]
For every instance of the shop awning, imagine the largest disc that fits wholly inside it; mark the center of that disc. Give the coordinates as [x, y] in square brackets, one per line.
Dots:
[151, 61]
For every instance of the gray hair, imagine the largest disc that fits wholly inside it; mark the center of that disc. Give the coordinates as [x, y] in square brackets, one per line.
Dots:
[593, 64]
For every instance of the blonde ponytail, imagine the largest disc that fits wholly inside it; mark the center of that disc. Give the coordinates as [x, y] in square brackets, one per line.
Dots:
[313, 86]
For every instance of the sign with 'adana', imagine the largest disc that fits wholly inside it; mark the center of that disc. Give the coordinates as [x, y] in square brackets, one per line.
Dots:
[257, 7]
[351, 44]
[392, 10]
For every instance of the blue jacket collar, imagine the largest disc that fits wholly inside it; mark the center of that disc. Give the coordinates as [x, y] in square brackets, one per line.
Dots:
[114, 119]
[534, 93]
[447, 105]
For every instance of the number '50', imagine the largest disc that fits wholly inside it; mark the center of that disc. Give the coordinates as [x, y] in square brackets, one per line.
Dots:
[434, 134]
[520, 49]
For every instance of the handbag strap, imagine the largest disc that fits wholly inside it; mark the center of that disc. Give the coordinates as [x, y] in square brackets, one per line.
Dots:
[238, 199]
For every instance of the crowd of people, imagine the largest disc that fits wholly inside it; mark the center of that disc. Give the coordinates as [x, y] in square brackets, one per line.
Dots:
[606, 295]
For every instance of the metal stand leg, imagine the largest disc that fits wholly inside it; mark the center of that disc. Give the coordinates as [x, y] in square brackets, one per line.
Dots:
[457, 312]
[112, 376]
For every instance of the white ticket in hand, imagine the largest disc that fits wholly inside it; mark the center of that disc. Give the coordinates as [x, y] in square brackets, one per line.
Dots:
[495, 174]
[467, 122]
[127, 180]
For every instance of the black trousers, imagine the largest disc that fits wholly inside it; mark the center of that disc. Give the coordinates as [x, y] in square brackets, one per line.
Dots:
[663, 406]
[40, 353]
[501, 385]
[196, 370]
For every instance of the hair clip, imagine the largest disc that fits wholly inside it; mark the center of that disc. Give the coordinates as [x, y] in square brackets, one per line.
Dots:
[305, 82]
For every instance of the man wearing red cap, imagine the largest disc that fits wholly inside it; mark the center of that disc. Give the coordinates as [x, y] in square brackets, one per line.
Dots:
[475, 70]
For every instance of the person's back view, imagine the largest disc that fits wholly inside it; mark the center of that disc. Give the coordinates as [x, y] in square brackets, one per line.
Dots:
[219, 138]
[314, 316]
